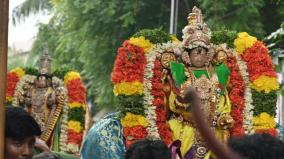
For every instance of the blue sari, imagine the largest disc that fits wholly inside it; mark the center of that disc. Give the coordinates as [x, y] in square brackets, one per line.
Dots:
[104, 140]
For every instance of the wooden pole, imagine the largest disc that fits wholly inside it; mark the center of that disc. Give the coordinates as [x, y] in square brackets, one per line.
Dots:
[4, 14]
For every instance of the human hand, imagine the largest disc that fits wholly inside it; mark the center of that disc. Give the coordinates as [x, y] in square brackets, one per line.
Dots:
[41, 145]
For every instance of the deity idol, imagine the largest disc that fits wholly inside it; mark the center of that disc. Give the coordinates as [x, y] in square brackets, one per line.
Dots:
[58, 106]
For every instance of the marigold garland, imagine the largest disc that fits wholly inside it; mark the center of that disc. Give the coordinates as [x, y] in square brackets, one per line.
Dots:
[133, 134]
[128, 88]
[243, 42]
[12, 80]
[76, 91]
[77, 105]
[264, 121]
[72, 75]
[75, 126]
[258, 61]
[129, 64]
[145, 44]
[74, 137]
[131, 120]
[19, 71]
[265, 83]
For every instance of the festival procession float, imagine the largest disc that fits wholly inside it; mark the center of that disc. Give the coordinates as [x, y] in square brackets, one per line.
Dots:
[232, 72]
[56, 100]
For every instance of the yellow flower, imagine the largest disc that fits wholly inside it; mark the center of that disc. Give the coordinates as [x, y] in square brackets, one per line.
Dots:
[263, 121]
[131, 120]
[76, 105]
[174, 38]
[19, 71]
[128, 88]
[9, 99]
[145, 44]
[243, 42]
[75, 126]
[265, 83]
[71, 76]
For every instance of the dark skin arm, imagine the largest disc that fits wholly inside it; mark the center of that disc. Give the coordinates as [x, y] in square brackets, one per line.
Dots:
[220, 150]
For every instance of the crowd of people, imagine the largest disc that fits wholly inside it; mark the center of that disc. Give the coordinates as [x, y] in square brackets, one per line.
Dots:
[22, 142]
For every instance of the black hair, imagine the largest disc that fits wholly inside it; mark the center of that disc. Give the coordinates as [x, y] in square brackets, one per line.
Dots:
[189, 50]
[148, 149]
[258, 146]
[19, 124]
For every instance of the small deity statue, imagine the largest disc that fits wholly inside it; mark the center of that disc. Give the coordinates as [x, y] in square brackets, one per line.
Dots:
[41, 100]
[195, 68]
[47, 98]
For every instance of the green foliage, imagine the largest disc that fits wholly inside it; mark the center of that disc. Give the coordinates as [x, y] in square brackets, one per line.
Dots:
[29, 7]
[31, 71]
[77, 114]
[154, 35]
[224, 36]
[133, 104]
[84, 35]
[255, 17]
[61, 72]
[264, 102]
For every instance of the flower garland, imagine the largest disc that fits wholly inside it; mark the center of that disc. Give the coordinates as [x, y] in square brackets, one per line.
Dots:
[136, 76]
[12, 79]
[77, 107]
[127, 77]
[150, 110]
[141, 42]
[263, 79]
[248, 109]
[158, 102]
[236, 96]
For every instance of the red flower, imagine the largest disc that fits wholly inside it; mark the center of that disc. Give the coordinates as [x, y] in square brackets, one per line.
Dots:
[73, 137]
[271, 131]
[165, 132]
[133, 134]
[76, 91]
[258, 61]
[12, 80]
[129, 64]
[236, 96]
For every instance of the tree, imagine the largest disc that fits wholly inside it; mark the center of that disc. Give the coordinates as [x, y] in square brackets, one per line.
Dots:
[258, 17]
[29, 7]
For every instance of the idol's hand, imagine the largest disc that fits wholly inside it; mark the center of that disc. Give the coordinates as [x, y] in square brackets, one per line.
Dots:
[225, 121]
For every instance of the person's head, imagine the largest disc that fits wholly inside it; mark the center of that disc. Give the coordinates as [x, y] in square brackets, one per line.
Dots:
[198, 56]
[148, 149]
[258, 146]
[20, 132]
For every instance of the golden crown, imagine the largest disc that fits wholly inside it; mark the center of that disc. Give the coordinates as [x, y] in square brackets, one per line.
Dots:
[196, 33]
